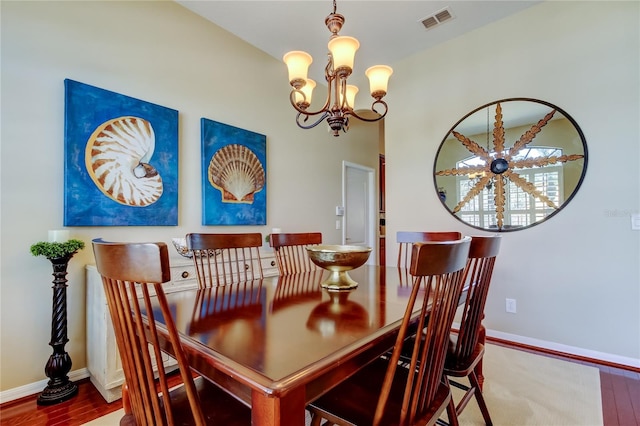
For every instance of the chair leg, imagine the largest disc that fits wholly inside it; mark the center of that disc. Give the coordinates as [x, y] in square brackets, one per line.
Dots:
[128, 420]
[316, 419]
[473, 379]
[469, 392]
[482, 339]
[451, 413]
[126, 400]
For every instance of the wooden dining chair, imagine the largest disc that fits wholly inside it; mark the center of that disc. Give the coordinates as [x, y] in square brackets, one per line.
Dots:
[131, 273]
[221, 259]
[406, 239]
[291, 253]
[415, 395]
[466, 349]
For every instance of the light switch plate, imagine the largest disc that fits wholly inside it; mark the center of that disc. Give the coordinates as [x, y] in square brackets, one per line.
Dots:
[339, 211]
[635, 222]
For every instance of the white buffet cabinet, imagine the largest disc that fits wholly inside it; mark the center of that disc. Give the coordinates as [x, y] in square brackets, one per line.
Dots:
[103, 359]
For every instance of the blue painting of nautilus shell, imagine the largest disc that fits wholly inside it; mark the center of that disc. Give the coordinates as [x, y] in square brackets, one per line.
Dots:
[234, 175]
[121, 159]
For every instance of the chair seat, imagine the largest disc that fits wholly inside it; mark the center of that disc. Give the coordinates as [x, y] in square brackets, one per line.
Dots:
[353, 401]
[218, 407]
[462, 367]
[453, 366]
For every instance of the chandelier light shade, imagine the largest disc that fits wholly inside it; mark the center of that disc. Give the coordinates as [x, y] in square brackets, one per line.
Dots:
[340, 99]
[378, 76]
[298, 64]
[304, 100]
[352, 91]
[343, 50]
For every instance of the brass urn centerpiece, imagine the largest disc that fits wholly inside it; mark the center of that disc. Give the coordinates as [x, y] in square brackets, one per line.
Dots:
[338, 260]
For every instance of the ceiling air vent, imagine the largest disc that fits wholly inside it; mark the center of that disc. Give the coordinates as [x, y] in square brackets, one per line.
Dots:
[437, 18]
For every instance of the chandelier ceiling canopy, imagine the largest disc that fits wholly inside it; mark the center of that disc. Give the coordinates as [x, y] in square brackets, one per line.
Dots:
[340, 99]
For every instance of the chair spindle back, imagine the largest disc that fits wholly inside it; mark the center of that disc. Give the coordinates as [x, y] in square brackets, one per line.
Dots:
[406, 239]
[291, 253]
[478, 273]
[221, 259]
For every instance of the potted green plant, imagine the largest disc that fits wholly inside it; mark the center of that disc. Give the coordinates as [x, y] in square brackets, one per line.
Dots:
[57, 250]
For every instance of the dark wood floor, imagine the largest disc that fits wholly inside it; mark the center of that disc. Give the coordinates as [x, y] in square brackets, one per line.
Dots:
[620, 401]
[84, 407]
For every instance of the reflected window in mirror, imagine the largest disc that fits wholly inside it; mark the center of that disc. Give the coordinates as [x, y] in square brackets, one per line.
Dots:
[510, 164]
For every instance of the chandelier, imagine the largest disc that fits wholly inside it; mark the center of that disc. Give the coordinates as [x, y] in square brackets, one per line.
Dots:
[338, 106]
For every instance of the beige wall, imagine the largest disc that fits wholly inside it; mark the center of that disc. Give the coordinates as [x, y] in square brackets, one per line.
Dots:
[576, 277]
[162, 53]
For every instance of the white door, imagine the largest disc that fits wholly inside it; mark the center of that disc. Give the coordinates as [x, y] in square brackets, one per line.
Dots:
[359, 204]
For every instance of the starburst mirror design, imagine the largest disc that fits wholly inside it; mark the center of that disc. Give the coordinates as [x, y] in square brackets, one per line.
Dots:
[510, 164]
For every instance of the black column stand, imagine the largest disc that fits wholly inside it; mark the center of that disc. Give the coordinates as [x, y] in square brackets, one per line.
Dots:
[59, 388]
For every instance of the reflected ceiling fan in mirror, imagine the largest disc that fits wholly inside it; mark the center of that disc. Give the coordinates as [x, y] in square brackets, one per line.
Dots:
[510, 186]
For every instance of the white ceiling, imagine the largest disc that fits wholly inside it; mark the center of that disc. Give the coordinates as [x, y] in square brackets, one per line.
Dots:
[388, 31]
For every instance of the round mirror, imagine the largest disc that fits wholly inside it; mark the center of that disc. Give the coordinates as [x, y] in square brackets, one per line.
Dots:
[510, 164]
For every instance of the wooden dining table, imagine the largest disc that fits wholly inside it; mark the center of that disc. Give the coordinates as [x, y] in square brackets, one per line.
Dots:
[280, 342]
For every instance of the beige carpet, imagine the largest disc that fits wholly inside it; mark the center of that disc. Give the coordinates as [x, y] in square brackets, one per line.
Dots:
[521, 389]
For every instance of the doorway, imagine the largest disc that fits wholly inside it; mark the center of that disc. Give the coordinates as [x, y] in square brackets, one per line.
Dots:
[358, 198]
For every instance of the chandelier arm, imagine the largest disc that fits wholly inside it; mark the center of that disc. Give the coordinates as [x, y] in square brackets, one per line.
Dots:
[292, 99]
[306, 117]
[328, 69]
[381, 116]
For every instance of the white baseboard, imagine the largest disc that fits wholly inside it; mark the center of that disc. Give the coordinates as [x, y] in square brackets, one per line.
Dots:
[37, 387]
[587, 353]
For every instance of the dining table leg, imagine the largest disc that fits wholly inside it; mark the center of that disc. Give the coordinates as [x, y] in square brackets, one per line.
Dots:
[268, 410]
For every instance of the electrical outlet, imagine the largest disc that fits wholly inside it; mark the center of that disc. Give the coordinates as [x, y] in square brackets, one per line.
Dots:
[511, 306]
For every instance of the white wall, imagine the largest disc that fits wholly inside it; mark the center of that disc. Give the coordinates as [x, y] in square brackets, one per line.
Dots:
[576, 277]
[162, 53]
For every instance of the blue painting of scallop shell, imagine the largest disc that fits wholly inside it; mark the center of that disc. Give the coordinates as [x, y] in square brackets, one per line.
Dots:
[234, 175]
[121, 159]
